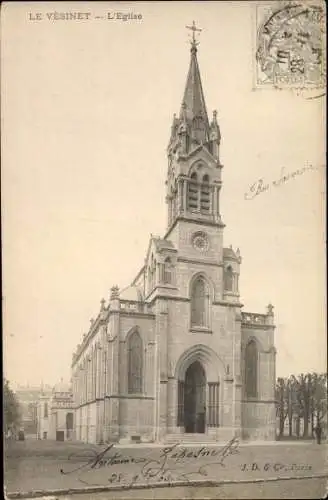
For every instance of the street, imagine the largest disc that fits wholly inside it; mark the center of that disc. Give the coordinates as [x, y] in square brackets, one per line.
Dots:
[57, 467]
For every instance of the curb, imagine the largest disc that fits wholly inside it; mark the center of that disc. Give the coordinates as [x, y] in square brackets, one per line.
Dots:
[49, 495]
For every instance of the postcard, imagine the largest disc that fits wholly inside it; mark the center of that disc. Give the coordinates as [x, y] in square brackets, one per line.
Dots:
[163, 238]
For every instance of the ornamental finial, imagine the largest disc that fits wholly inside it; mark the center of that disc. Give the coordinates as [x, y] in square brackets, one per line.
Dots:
[115, 292]
[270, 309]
[193, 40]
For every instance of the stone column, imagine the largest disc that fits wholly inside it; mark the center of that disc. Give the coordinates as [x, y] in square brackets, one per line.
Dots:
[106, 423]
[99, 425]
[158, 273]
[185, 195]
[169, 209]
[89, 377]
[161, 272]
[198, 196]
[211, 188]
[95, 372]
[180, 197]
[172, 404]
[236, 372]
[83, 382]
[113, 338]
[215, 201]
[228, 405]
[79, 386]
[162, 372]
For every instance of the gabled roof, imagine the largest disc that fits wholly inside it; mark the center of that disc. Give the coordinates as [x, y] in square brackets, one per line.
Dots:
[228, 252]
[162, 244]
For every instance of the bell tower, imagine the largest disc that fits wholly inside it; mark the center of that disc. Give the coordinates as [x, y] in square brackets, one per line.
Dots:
[194, 168]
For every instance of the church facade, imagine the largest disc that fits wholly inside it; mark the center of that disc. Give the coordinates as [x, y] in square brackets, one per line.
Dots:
[173, 357]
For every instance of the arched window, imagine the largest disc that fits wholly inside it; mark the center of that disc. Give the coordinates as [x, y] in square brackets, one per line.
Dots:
[168, 271]
[193, 193]
[45, 410]
[251, 369]
[205, 195]
[199, 303]
[198, 123]
[135, 361]
[228, 279]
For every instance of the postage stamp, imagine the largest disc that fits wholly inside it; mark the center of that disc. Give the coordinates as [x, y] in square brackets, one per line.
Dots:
[290, 47]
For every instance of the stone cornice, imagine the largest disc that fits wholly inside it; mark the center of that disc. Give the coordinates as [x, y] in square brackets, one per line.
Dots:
[226, 303]
[170, 297]
[252, 326]
[201, 222]
[199, 261]
[137, 314]
[158, 286]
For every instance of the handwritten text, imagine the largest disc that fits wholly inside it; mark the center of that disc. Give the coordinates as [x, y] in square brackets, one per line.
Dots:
[260, 186]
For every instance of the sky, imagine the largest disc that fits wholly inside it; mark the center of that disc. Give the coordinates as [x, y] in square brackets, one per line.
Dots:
[87, 107]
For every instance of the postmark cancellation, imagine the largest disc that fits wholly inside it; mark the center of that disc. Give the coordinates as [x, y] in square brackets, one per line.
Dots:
[290, 49]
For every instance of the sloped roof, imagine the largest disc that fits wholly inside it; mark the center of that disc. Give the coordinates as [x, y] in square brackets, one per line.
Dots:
[132, 292]
[193, 104]
[228, 252]
[162, 244]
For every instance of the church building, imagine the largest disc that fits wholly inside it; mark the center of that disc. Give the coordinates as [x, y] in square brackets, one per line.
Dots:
[173, 357]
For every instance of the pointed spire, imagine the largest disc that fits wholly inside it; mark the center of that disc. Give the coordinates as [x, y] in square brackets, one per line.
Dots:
[193, 103]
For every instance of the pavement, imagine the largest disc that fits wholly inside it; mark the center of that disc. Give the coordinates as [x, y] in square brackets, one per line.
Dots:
[269, 490]
[36, 467]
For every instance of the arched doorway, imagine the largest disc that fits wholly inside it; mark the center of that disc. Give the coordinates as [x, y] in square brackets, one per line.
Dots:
[69, 425]
[195, 398]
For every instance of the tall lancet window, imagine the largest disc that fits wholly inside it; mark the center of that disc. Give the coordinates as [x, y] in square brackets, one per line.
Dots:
[193, 193]
[228, 279]
[135, 362]
[251, 369]
[200, 303]
[205, 195]
[168, 271]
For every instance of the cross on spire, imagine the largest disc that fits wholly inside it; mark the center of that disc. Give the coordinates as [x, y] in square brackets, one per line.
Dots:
[194, 29]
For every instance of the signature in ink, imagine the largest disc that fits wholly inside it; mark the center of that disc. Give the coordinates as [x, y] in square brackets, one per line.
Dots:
[168, 468]
[260, 186]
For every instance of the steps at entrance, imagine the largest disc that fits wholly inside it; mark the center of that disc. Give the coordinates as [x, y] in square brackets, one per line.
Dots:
[189, 438]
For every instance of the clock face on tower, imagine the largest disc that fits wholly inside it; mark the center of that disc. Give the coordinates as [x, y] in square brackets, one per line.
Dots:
[200, 241]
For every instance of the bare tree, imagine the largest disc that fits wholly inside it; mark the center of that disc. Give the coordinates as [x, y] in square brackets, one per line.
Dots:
[282, 403]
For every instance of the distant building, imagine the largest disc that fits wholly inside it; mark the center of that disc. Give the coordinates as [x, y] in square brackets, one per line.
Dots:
[55, 414]
[28, 398]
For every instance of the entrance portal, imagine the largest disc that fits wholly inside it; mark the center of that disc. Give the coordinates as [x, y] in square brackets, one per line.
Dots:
[195, 399]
